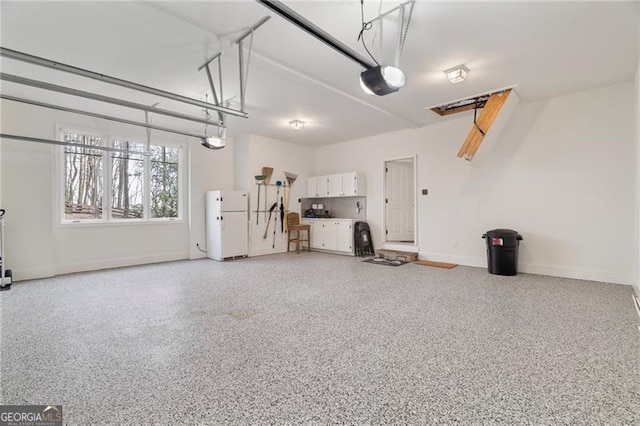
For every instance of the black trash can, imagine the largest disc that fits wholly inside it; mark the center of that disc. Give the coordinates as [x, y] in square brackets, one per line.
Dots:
[502, 251]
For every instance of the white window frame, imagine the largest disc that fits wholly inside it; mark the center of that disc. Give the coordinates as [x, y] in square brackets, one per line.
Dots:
[106, 219]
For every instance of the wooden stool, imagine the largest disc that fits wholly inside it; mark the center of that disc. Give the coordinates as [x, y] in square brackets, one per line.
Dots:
[293, 223]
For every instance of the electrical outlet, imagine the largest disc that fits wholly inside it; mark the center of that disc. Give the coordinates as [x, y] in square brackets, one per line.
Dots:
[425, 191]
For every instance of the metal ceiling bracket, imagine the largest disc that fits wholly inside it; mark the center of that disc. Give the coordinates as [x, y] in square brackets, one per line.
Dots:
[244, 69]
[404, 20]
[20, 56]
[213, 86]
[96, 97]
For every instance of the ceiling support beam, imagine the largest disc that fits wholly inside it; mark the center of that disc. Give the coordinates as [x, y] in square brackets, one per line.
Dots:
[304, 24]
[101, 98]
[100, 116]
[35, 60]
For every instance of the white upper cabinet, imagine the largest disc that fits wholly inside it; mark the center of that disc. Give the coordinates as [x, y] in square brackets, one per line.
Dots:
[312, 187]
[335, 185]
[323, 186]
[339, 185]
[352, 184]
[317, 187]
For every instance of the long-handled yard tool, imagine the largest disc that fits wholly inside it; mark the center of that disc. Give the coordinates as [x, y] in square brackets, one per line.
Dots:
[281, 216]
[264, 237]
[287, 192]
[260, 181]
[267, 172]
[278, 185]
[275, 225]
[275, 222]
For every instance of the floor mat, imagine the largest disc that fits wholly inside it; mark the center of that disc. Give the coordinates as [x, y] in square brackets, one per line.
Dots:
[436, 264]
[385, 262]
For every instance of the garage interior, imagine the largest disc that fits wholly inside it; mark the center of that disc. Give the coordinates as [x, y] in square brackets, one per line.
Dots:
[118, 117]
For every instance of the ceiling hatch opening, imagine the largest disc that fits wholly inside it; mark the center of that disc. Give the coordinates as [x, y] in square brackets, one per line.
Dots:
[468, 104]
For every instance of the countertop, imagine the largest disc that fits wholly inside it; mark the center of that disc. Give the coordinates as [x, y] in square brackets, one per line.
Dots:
[326, 218]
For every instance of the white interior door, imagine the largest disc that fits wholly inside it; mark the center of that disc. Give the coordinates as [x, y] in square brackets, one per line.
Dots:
[399, 211]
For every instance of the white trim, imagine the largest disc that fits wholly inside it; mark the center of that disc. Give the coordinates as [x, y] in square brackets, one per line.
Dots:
[68, 268]
[537, 269]
[106, 220]
[89, 223]
[266, 251]
[413, 248]
[414, 158]
[196, 254]
[32, 273]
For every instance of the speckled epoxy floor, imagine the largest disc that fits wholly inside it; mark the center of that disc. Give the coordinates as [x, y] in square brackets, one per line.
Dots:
[323, 339]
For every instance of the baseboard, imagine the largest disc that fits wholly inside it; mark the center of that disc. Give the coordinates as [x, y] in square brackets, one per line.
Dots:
[579, 274]
[32, 273]
[448, 258]
[265, 251]
[410, 248]
[196, 254]
[530, 268]
[69, 268]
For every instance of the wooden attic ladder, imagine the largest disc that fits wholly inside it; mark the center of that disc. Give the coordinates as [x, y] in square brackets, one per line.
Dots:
[483, 124]
[495, 109]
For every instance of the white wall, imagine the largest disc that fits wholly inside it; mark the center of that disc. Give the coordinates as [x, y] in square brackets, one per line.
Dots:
[255, 152]
[27, 187]
[561, 174]
[36, 246]
[210, 170]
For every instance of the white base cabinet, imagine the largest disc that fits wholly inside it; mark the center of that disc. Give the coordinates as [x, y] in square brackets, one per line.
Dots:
[335, 235]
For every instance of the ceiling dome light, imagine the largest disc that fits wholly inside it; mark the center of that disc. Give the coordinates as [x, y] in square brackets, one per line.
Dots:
[296, 124]
[457, 74]
[381, 80]
[215, 142]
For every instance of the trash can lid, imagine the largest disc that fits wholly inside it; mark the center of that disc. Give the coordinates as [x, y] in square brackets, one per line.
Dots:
[502, 233]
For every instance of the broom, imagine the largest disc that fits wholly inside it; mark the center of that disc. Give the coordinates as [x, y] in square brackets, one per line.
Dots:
[287, 191]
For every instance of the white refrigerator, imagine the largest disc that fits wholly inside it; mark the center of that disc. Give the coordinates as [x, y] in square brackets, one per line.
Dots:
[227, 224]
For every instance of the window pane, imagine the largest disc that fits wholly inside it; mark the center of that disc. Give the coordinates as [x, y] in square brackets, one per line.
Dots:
[127, 181]
[164, 181]
[83, 177]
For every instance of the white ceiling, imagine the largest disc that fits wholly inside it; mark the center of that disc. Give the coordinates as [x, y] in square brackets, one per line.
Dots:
[545, 48]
